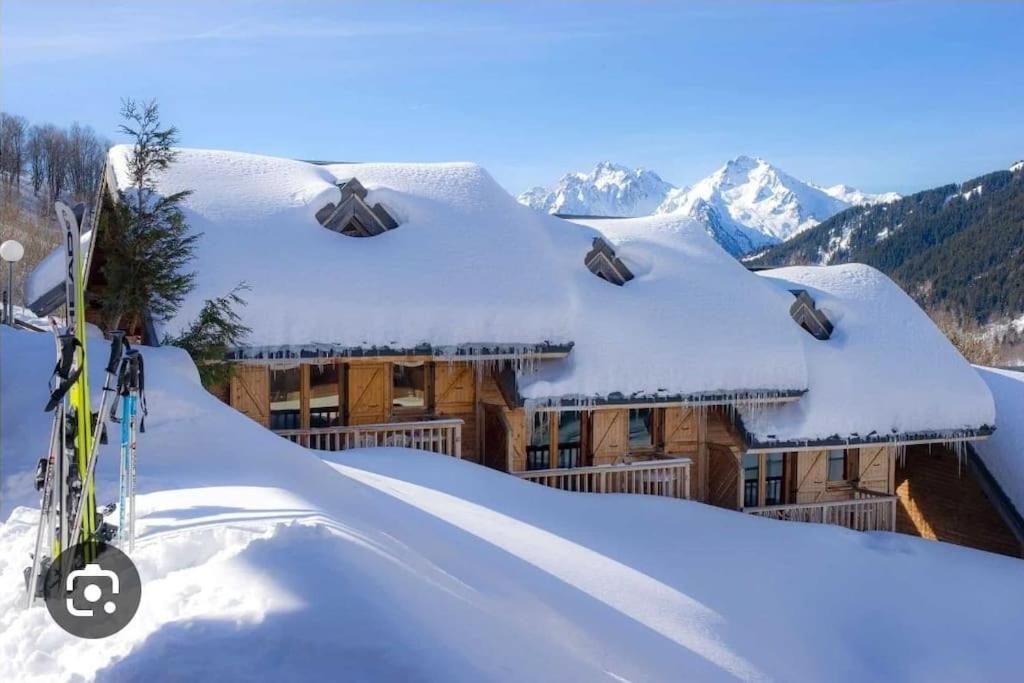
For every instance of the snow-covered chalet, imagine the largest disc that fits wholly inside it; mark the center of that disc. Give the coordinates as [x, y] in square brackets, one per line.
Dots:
[420, 305]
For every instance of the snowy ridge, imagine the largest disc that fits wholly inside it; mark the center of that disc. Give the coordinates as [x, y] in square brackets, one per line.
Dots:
[855, 197]
[608, 190]
[259, 560]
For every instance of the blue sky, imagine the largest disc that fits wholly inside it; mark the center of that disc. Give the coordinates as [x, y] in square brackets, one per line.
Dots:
[898, 96]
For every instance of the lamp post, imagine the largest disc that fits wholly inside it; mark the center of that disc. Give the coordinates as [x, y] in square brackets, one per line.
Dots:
[11, 251]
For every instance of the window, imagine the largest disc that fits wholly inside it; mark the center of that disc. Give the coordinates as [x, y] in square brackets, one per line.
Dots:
[641, 428]
[324, 399]
[409, 387]
[284, 398]
[751, 463]
[570, 442]
[538, 452]
[774, 467]
[836, 464]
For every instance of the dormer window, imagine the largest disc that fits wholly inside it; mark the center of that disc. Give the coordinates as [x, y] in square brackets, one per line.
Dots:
[807, 315]
[602, 262]
[352, 216]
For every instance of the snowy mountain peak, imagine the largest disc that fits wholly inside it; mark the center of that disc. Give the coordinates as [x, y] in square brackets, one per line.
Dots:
[746, 204]
[610, 189]
[1019, 166]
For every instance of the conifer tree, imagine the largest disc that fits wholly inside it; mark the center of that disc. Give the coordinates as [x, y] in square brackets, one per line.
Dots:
[209, 337]
[145, 239]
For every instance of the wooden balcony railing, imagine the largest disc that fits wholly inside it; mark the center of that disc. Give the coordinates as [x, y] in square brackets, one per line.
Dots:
[669, 478]
[867, 512]
[436, 436]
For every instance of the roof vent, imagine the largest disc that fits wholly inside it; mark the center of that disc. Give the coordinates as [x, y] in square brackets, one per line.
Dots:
[602, 262]
[807, 315]
[352, 216]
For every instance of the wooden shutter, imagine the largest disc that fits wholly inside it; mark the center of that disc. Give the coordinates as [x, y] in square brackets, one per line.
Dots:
[811, 475]
[610, 435]
[369, 393]
[454, 387]
[250, 392]
[874, 469]
[723, 477]
[680, 430]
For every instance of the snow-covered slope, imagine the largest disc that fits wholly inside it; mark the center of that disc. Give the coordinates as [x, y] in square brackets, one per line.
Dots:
[261, 561]
[752, 196]
[608, 190]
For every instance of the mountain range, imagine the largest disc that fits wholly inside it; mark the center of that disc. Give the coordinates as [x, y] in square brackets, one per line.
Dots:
[747, 204]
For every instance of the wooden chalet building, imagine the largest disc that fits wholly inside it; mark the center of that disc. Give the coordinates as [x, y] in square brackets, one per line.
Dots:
[417, 305]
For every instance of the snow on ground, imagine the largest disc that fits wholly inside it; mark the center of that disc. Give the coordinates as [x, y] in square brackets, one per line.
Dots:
[886, 370]
[1003, 452]
[259, 560]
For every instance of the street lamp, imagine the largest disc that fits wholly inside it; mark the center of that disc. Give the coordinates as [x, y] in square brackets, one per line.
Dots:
[11, 251]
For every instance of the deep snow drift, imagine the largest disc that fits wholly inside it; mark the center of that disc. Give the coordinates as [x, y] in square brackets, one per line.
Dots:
[260, 560]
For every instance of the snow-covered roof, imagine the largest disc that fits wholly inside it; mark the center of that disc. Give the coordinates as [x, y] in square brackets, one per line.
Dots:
[469, 266]
[692, 323]
[1003, 454]
[886, 373]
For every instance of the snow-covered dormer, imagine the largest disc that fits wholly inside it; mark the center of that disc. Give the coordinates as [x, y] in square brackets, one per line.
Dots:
[602, 262]
[352, 216]
[807, 315]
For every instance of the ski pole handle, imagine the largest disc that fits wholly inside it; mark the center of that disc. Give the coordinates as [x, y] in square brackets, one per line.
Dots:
[116, 348]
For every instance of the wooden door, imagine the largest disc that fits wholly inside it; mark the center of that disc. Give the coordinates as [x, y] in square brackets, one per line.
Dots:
[369, 393]
[811, 476]
[250, 392]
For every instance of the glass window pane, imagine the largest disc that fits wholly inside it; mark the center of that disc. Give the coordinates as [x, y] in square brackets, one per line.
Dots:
[324, 405]
[409, 385]
[750, 483]
[540, 435]
[773, 465]
[284, 398]
[773, 478]
[836, 464]
[538, 452]
[641, 428]
[569, 442]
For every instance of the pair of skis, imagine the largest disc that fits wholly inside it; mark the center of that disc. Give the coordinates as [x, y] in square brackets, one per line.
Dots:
[66, 476]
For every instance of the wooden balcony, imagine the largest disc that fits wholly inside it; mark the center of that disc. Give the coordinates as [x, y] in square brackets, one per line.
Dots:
[670, 478]
[436, 436]
[867, 511]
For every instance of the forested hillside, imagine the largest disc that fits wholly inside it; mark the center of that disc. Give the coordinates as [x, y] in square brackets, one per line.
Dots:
[958, 249]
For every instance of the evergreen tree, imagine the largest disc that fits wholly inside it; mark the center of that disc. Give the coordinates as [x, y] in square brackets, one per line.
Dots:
[209, 337]
[145, 240]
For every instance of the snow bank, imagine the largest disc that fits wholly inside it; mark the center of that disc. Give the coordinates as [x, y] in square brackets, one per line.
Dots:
[1003, 452]
[261, 561]
[886, 371]
[469, 265]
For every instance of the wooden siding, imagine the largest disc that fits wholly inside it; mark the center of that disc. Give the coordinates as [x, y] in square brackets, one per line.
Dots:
[369, 393]
[250, 392]
[611, 436]
[939, 499]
